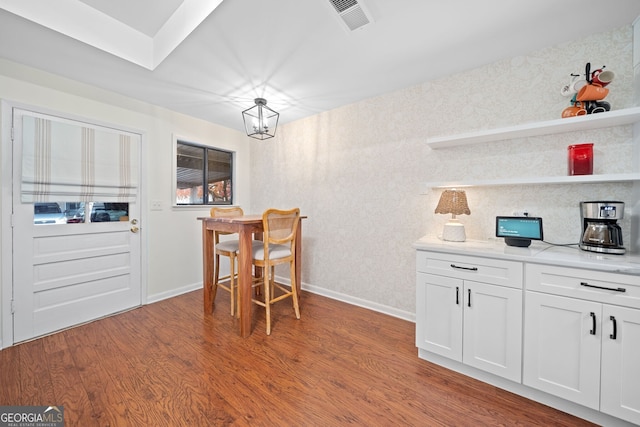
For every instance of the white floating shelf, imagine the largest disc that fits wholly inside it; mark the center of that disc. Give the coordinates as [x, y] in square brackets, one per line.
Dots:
[588, 122]
[577, 179]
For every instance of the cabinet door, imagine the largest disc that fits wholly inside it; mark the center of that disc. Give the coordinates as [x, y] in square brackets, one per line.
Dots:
[621, 363]
[493, 329]
[439, 315]
[562, 347]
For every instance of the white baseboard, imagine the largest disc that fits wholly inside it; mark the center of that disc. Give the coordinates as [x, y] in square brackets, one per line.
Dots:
[380, 308]
[173, 293]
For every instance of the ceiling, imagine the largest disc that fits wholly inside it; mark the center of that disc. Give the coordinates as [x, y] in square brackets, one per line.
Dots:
[211, 58]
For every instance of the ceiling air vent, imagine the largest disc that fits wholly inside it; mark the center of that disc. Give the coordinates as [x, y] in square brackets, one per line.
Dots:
[352, 12]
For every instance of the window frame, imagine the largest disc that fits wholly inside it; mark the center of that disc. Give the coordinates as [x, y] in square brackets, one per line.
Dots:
[206, 149]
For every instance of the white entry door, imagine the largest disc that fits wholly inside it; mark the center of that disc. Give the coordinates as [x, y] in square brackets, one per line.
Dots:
[72, 261]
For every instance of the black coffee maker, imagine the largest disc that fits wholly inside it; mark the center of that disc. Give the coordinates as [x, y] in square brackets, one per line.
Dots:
[600, 231]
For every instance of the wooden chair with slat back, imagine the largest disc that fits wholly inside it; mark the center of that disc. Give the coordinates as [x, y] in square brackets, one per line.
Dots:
[279, 247]
[228, 248]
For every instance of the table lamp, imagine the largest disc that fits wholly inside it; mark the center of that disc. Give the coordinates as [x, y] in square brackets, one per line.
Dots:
[453, 202]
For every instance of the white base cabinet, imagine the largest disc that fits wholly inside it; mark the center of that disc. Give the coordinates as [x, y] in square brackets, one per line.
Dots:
[476, 323]
[584, 348]
[564, 336]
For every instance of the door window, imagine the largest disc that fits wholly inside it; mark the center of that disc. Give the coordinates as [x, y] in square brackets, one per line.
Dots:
[79, 212]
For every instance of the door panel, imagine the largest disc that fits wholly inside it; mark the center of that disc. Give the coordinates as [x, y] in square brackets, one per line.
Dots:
[65, 274]
[493, 329]
[620, 367]
[562, 347]
[440, 305]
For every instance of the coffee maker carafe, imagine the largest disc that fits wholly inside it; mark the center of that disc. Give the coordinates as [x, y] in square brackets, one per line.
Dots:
[600, 231]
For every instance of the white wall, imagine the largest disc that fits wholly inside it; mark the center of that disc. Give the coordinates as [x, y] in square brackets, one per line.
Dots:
[359, 172]
[172, 235]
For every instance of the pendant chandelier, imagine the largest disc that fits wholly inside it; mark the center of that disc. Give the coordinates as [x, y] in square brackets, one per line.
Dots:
[260, 121]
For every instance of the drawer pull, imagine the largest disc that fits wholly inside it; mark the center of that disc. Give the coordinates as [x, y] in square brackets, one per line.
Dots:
[464, 268]
[469, 299]
[457, 295]
[615, 328]
[593, 323]
[585, 284]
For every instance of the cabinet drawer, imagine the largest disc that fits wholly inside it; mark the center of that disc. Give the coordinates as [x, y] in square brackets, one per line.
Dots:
[486, 270]
[592, 285]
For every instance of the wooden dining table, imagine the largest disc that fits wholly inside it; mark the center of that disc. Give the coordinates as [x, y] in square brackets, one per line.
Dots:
[248, 227]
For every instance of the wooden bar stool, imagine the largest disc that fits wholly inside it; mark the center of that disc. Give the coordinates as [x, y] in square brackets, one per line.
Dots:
[228, 248]
[278, 247]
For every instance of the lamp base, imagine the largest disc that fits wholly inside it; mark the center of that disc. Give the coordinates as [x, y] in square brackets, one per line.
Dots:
[454, 231]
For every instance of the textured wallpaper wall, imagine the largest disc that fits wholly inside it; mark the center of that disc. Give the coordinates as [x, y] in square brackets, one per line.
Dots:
[359, 172]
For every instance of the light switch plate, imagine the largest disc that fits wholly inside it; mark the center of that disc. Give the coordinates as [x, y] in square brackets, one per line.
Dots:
[156, 205]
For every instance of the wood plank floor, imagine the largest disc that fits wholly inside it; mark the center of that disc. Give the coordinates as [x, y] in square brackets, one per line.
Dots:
[168, 364]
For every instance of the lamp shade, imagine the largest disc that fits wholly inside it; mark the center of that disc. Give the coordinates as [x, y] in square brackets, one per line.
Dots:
[260, 121]
[453, 202]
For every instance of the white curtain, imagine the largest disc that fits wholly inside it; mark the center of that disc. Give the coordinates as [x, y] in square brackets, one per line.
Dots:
[67, 161]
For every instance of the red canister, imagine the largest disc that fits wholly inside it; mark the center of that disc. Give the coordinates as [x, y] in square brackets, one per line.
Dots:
[580, 159]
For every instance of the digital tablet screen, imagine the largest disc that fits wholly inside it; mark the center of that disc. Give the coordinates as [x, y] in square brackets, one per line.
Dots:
[519, 227]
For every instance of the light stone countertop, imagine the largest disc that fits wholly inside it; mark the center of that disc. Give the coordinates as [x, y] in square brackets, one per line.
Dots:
[538, 252]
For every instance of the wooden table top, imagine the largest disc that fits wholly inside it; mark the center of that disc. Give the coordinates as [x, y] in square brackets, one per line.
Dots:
[233, 219]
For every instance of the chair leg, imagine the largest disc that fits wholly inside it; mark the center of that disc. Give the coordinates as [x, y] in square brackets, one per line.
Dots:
[232, 284]
[267, 298]
[272, 282]
[258, 276]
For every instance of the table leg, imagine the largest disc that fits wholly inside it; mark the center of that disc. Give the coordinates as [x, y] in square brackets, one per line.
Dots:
[207, 268]
[244, 281]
